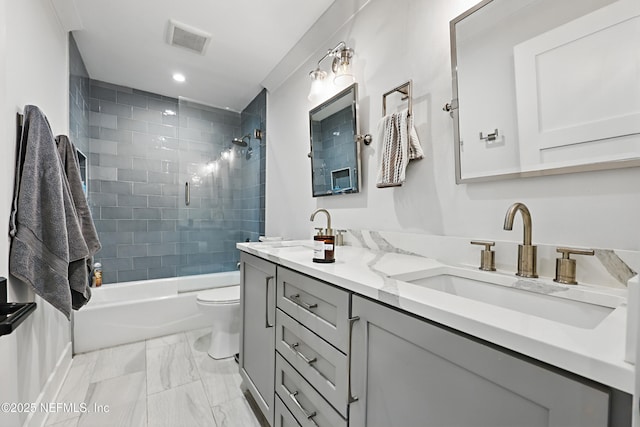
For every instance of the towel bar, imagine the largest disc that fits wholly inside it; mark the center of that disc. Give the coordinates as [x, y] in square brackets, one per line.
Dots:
[404, 89]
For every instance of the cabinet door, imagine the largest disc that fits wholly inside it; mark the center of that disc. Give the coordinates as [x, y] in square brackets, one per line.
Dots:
[257, 334]
[409, 372]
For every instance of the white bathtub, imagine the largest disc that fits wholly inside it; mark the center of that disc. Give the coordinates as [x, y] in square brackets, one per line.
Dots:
[121, 313]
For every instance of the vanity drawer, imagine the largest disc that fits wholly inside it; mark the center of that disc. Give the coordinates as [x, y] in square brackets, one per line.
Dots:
[319, 306]
[306, 405]
[283, 417]
[324, 367]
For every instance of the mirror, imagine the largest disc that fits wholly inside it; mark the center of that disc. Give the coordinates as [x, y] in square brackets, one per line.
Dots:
[545, 87]
[335, 153]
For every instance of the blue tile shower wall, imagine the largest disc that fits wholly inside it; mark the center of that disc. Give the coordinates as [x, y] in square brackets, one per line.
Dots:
[252, 210]
[78, 99]
[143, 147]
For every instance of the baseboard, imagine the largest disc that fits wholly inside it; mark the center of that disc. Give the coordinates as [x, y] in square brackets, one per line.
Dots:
[51, 388]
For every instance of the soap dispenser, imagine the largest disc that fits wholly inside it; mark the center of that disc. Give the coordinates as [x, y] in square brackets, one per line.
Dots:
[324, 241]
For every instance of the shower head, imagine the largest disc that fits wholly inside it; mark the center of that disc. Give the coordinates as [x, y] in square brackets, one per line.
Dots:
[241, 141]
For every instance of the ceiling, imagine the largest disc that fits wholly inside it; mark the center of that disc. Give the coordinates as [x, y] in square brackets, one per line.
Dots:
[125, 42]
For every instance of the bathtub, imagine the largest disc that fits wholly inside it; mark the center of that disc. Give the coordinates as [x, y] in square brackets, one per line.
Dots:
[126, 312]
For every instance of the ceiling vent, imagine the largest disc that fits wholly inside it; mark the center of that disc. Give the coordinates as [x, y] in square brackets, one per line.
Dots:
[187, 37]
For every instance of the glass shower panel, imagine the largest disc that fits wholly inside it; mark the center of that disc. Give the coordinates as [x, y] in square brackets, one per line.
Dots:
[210, 176]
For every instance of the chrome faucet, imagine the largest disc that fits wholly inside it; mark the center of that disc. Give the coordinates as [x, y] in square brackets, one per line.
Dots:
[329, 230]
[527, 253]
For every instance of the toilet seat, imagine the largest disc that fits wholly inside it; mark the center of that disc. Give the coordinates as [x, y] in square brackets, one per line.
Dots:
[226, 295]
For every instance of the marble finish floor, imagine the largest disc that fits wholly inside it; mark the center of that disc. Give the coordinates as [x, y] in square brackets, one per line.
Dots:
[169, 381]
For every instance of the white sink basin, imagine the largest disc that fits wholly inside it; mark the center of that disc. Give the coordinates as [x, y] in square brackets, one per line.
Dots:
[503, 291]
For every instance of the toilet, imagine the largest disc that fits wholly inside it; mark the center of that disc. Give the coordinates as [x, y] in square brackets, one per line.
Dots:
[222, 307]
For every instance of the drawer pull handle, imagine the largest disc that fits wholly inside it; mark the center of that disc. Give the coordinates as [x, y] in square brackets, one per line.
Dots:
[350, 397]
[267, 324]
[304, 411]
[302, 303]
[308, 361]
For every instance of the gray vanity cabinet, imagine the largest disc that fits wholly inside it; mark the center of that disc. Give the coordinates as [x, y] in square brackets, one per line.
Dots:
[257, 334]
[409, 372]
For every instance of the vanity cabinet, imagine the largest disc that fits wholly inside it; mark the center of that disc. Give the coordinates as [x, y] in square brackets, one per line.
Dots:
[257, 334]
[410, 372]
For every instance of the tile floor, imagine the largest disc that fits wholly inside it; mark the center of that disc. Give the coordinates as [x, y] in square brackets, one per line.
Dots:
[169, 381]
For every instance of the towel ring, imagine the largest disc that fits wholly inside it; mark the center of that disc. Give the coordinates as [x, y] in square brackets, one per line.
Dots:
[405, 89]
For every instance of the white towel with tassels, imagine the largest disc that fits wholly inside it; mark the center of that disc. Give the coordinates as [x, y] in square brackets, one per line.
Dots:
[399, 144]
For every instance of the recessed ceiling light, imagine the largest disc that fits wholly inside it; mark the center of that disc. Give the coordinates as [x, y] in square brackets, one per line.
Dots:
[179, 77]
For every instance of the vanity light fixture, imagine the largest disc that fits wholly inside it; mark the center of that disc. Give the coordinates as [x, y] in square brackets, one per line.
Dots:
[341, 68]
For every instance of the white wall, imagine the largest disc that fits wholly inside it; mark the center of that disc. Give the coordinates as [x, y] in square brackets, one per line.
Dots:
[33, 70]
[397, 40]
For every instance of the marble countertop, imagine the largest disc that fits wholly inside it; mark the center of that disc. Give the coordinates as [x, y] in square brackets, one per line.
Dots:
[596, 352]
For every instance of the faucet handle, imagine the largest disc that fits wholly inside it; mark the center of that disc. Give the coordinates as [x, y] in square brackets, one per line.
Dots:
[487, 256]
[566, 267]
[319, 230]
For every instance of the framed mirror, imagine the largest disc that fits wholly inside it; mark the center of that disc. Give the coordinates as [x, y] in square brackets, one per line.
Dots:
[545, 87]
[335, 152]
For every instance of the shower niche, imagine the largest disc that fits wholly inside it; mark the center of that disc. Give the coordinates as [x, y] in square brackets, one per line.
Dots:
[335, 152]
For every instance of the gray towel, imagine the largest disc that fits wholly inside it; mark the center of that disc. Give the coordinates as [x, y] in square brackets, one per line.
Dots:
[399, 144]
[78, 270]
[44, 225]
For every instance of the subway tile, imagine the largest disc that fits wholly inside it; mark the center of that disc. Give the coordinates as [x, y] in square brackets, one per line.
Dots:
[103, 225]
[147, 262]
[115, 264]
[127, 251]
[190, 134]
[115, 135]
[168, 213]
[113, 86]
[147, 236]
[189, 270]
[162, 130]
[125, 200]
[163, 201]
[132, 175]
[131, 125]
[102, 147]
[102, 93]
[159, 273]
[115, 109]
[95, 185]
[163, 178]
[151, 116]
[115, 238]
[109, 160]
[168, 166]
[116, 213]
[163, 105]
[132, 149]
[103, 120]
[201, 125]
[132, 99]
[146, 164]
[107, 251]
[173, 260]
[146, 94]
[103, 173]
[162, 225]
[169, 120]
[147, 213]
[102, 199]
[132, 275]
[116, 187]
[171, 236]
[94, 105]
[147, 188]
[135, 225]
[172, 189]
[162, 249]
